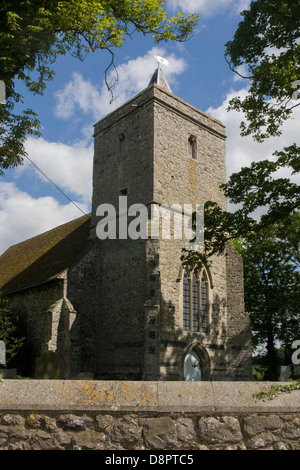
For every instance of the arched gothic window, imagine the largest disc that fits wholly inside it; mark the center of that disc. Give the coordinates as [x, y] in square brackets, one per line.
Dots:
[195, 302]
[186, 302]
[204, 304]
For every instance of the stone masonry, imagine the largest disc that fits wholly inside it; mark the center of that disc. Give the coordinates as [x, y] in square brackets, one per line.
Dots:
[141, 151]
[86, 415]
[119, 307]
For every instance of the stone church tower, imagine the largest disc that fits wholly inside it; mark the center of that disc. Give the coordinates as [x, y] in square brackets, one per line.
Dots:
[122, 307]
[148, 318]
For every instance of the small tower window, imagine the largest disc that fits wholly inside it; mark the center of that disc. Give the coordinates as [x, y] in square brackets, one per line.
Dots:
[192, 147]
[123, 192]
[121, 146]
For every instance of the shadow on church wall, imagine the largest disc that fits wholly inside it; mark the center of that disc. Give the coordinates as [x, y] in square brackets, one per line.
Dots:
[224, 355]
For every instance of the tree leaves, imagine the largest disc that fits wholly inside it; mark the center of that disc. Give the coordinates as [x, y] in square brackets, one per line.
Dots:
[9, 331]
[34, 33]
[13, 130]
[271, 273]
[267, 42]
[254, 187]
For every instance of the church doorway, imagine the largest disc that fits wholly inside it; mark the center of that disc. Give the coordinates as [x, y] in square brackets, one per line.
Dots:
[196, 364]
[192, 367]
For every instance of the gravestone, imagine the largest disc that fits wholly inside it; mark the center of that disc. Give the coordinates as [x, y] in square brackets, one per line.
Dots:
[285, 373]
[47, 366]
[297, 372]
[8, 373]
[2, 353]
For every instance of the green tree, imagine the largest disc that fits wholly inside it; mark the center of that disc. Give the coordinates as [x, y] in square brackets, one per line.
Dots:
[271, 277]
[266, 43]
[10, 332]
[33, 33]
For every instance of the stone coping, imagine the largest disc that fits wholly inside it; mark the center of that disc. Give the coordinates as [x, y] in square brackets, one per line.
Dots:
[163, 397]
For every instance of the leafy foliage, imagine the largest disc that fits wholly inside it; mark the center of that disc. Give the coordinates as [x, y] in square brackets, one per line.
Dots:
[257, 187]
[13, 130]
[271, 271]
[267, 43]
[34, 33]
[9, 332]
[275, 390]
[271, 258]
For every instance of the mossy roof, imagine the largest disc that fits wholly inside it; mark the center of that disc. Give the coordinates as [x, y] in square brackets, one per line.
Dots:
[44, 257]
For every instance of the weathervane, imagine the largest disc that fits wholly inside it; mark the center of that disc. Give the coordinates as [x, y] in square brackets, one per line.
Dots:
[161, 60]
[158, 75]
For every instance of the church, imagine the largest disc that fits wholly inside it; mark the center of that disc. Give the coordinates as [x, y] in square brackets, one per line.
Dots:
[123, 307]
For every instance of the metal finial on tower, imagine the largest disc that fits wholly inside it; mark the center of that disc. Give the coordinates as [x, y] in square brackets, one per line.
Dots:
[158, 76]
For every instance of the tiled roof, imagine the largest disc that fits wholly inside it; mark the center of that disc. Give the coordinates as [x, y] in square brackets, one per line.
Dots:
[44, 257]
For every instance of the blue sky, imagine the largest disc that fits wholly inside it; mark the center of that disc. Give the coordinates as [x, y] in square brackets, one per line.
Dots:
[77, 98]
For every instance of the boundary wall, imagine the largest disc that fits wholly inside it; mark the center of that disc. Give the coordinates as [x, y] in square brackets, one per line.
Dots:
[131, 416]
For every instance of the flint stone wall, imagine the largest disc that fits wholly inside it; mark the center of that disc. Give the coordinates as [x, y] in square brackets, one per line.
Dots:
[105, 415]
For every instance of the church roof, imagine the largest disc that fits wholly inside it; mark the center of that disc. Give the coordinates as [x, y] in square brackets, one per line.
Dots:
[159, 78]
[44, 257]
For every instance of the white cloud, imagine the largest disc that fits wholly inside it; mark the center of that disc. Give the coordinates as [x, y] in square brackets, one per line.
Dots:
[68, 166]
[241, 151]
[77, 92]
[22, 216]
[209, 7]
[133, 77]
